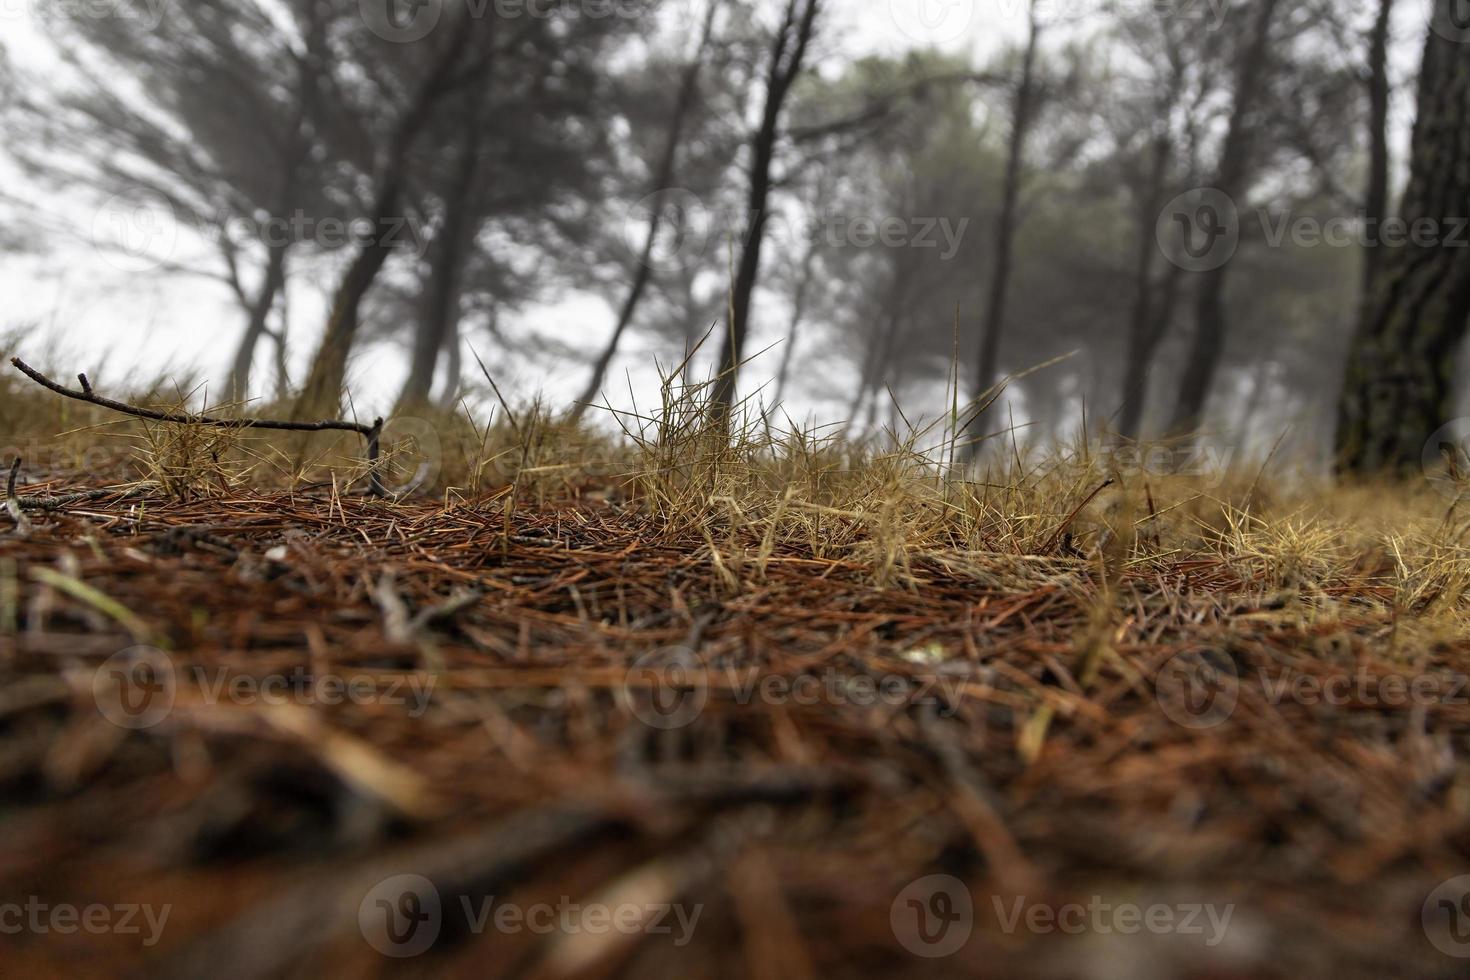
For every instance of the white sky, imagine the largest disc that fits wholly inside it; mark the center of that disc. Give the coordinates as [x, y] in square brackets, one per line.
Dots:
[112, 317]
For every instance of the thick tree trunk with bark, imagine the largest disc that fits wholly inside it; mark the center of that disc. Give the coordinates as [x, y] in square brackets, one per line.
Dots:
[1399, 387]
[788, 52]
[1232, 179]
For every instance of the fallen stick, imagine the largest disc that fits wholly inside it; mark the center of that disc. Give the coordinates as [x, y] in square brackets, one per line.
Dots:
[372, 433]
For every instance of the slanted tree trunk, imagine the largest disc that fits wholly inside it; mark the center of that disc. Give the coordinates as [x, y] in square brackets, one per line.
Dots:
[297, 155]
[879, 344]
[323, 388]
[662, 181]
[449, 252]
[1399, 387]
[871, 379]
[788, 52]
[258, 325]
[440, 311]
[1150, 319]
[798, 311]
[1232, 179]
[1145, 328]
[322, 391]
[1023, 111]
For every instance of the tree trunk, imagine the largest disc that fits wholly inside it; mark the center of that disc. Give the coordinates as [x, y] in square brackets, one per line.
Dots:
[1400, 380]
[879, 345]
[296, 154]
[869, 381]
[323, 388]
[260, 311]
[280, 338]
[1375, 200]
[1232, 179]
[1148, 323]
[440, 314]
[798, 310]
[662, 181]
[450, 251]
[1261, 379]
[453, 367]
[322, 391]
[1143, 337]
[1022, 113]
[788, 51]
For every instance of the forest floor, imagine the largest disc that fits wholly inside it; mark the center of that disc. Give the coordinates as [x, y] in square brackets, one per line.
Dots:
[1016, 732]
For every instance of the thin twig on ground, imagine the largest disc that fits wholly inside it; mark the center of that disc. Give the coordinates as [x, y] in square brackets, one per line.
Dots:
[372, 433]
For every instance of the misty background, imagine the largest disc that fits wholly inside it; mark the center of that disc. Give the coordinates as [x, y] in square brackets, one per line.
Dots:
[907, 229]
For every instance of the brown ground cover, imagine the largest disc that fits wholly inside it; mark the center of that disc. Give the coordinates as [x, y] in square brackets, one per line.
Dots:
[256, 707]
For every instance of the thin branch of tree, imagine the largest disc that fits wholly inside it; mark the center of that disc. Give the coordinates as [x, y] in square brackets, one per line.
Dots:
[372, 433]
